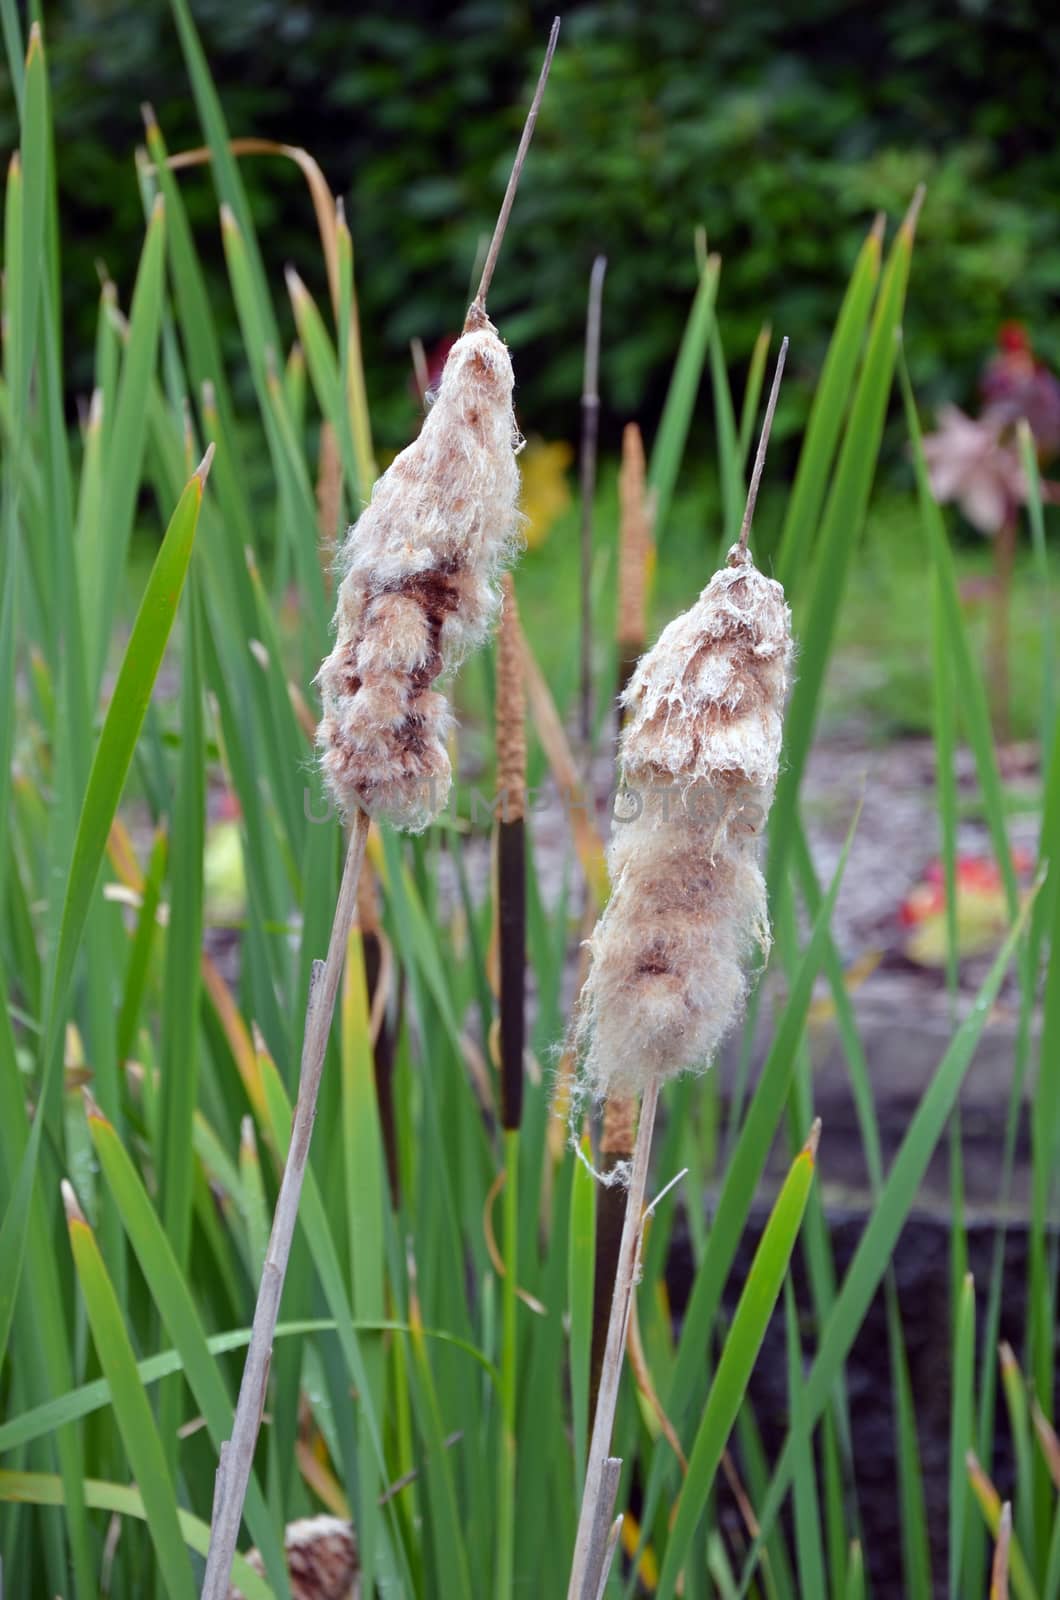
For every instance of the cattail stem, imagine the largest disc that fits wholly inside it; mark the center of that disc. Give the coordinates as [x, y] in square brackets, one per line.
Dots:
[237, 1454]
[583, 1581]
[616, 1148]
[509, 1368]
[590, 435]
[511, 896]
[490, 263]
[511, 857]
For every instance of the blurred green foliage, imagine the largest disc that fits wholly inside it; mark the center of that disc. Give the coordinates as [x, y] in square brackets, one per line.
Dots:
[780, 128]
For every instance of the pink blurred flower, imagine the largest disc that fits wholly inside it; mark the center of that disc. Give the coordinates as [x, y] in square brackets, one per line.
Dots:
[967, 462]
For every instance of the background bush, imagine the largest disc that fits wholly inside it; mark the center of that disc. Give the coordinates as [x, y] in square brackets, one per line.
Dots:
[762, 122]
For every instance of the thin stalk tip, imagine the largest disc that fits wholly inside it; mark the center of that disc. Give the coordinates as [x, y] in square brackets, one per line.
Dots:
[909, 221]
[763, 445]
[478, 306]
[202, 471]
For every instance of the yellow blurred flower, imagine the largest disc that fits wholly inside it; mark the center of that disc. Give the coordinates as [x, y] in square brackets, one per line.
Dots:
[546, 493]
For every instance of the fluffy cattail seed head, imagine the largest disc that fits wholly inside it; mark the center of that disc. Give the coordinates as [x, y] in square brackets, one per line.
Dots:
[700, 754]
[420, 588]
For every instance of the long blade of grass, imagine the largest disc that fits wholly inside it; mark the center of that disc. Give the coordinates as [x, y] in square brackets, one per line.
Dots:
[41, 1489]
[365, 1189]
[139, 1433]
[126, 439]
[962, 1417]
[760, 1294]
[877, 1242]
[843, 518]
[825, 422]
[581, 1267]
[114, 752]
[172, 1297]
[669, 446]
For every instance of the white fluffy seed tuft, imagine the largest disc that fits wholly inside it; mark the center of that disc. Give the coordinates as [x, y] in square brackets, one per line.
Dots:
[420, 589]
[687, 914]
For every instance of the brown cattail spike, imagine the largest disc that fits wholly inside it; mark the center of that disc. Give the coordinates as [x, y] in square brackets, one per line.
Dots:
[477, 313]
[634, 542]
[760, 453]
[511, 710]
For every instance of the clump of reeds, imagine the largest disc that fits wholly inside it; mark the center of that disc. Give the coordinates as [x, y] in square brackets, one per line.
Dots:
[419, 589]
[700, 754]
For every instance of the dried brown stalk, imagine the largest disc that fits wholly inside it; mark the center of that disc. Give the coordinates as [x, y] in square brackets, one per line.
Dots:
[237, 1454]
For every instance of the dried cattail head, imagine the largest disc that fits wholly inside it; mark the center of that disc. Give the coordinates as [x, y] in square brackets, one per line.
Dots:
[420, 587]
[700, 755]
[322, 1560]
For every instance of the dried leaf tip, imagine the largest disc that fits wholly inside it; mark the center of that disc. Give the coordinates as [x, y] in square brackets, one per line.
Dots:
[36, 42]
[150, 121]
[202, 471]
[71, 1204]
[740, 552]
[909, 221]
[476, 315]
[295, 287]
[814, 1139]
[91, 1105]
